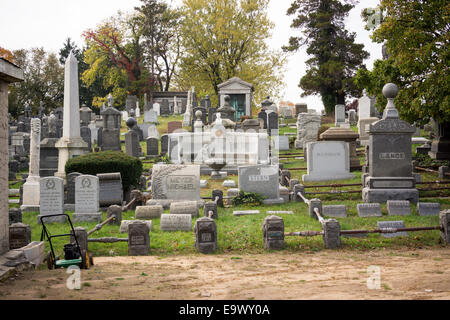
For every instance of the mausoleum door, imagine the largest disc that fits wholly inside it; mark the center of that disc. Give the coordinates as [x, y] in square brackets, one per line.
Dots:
[238, 103]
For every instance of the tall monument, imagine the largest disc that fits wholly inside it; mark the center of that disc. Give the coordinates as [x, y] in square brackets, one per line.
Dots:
[71, 144]
[32, 185]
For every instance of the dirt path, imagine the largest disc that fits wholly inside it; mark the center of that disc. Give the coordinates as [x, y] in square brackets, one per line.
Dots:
[405, 274]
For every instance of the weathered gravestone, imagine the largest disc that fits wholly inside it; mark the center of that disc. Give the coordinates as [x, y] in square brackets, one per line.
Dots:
[307, 129]
[165, 108]
[328, 160]
[110, 189]
[185, 207]
[339, 114]
[51, 200]
[164, 144]
[15, 215]
[369, 210]
[429, 209]
[138, 239]
[205, 230]
[176, 222]
[210, 210]
[272, 123]
[392, 225]
[336, 211]
[132, 144]
[273, 233]
[87, 196]
[263, 115]
[174, 125]
[176, 182]
[261, 179]
[152, 147]
[19, 235]
[398, 207]
[149, 212]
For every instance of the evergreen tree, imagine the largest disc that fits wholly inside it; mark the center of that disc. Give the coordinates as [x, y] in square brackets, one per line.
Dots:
[335, 57]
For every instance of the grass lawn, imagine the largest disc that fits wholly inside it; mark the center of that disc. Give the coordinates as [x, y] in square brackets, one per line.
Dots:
[241, 235]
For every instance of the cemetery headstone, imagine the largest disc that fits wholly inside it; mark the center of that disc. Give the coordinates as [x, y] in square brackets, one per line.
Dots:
[328, 160]
[273, 233]
[51, 199]
[429, 209]
[176, 222]
[87, 194]
[110, 189]
[369, 210]
[19, 235]
[392, 225]
[261, 179]
[138, 239]
[205, 230]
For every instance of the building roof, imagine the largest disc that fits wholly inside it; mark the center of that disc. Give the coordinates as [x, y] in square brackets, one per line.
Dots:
[236, 80]
[9, 72]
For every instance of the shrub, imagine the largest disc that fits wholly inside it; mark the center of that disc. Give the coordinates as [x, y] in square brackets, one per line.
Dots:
[130, 168]
[248, 198]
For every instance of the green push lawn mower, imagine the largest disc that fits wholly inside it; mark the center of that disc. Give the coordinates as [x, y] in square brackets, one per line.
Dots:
[73, 255]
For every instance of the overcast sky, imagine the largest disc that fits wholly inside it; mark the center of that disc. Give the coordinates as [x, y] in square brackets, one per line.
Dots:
[47, 23]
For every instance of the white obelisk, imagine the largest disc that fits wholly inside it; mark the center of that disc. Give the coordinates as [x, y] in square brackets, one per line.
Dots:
[31, 188]
[71, 144]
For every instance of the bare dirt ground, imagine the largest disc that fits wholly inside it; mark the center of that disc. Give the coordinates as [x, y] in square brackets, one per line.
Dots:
[405, 274]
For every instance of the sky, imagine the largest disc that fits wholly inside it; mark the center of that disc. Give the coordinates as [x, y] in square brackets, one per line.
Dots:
[48, 23]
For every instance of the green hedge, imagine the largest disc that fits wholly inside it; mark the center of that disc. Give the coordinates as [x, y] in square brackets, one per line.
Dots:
[130, 168]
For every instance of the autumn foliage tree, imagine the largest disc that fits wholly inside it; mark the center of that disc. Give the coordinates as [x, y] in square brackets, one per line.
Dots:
[226, 38]
[115, 54]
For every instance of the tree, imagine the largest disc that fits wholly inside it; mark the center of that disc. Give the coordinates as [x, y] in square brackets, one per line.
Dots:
[6, 54]
[416, 35]
[43, 81]
[335, 57]
[226, 38]
[160, 25]
[115, 54]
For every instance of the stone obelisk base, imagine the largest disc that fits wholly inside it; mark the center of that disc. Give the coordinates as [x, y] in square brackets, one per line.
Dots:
[31, 194]
[68, 148]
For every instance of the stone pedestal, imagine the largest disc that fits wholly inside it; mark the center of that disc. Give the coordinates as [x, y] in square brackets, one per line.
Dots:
[347, 135]
[68, 148]
[31, 186]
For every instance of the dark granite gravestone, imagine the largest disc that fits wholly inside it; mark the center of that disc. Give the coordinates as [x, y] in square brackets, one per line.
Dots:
[49, 155]
[206, 102]
[212, 115]
[273, 233]
[70, 196]
[132, 144]
[205, 230]
[390, 170]
[272, 123]
[164, 144]
[15, 216]
[164, 108]
[110, 189]
[263, 115]
[152, 147]
[19, 235]
[85, 133]
[138, 239]
[131, 103]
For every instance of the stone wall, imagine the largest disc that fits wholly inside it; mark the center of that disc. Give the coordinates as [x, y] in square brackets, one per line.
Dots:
[4, 231]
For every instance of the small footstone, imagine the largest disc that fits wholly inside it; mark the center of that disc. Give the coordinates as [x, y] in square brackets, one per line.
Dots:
[125, 223]
[245, 212]
[428, 209]
[336, 211]
[229, 184]
[203, 184]
[398, 207]
[279, 212]
[391, 225]
[273, 201]
[369, 210]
